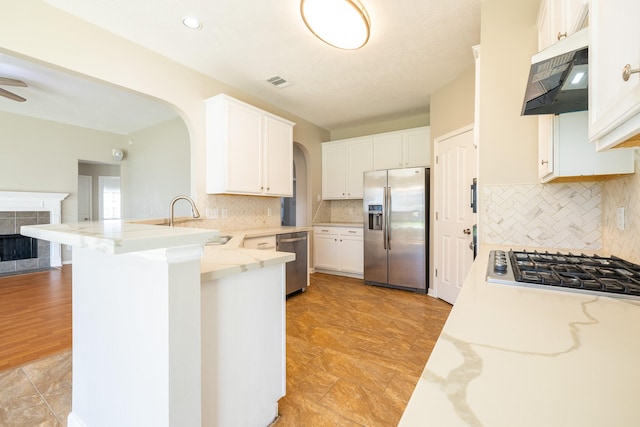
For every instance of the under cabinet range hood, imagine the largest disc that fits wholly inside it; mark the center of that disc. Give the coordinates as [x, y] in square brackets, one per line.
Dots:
[558, 77]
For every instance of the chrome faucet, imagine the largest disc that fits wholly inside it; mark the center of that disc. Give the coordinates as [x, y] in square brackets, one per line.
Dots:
[194, 210]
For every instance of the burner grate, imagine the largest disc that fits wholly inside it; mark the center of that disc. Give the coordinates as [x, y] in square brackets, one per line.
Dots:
[590, 273]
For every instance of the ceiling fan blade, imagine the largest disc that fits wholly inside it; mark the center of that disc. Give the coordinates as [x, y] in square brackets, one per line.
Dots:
[11, 95]
[5, 81]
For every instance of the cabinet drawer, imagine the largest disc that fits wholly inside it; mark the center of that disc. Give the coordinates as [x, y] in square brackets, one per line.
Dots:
[265, 242]
[351, 232]
[326, 230]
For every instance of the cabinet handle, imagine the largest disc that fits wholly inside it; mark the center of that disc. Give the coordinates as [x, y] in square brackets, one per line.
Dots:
[325, 231]
[351, 231]
[627, 71]
[562, 35]
[544, 162]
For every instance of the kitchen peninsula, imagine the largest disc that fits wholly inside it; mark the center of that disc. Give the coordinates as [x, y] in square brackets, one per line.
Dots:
[515, 356]
[156, 333]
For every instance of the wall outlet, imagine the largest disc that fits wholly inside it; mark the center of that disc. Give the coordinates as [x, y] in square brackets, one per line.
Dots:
[620, 218]
[350, 211]
[225, 214]
[215, 213]
[269, 213]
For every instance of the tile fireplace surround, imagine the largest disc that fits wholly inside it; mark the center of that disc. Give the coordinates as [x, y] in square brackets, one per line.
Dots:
[27, 208]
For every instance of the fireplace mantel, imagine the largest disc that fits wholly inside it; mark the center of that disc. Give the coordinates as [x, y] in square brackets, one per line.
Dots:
[37, 201]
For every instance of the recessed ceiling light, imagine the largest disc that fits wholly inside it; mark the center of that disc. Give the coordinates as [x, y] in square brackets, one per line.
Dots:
[191, 22]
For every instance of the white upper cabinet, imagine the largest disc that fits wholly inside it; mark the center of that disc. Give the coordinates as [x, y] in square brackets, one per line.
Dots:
[343, 165]
[614, 43]
[249, 151]
[560, 18]
[571, 156]
[564, 151]
[345, 161]
[402, 149]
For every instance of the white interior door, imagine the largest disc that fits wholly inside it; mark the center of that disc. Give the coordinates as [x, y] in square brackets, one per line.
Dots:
[455, 170]
[84, 198]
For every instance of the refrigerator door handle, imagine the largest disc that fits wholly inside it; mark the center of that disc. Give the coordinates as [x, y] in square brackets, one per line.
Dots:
[388, 205]
[384, 218]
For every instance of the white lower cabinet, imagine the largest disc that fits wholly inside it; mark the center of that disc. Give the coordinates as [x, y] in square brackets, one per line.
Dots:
[264, 243]
[339, 250]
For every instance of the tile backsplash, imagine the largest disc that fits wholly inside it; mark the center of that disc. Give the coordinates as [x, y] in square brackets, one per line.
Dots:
[563, 216]
[242, 212]
[623, 192]
[340, 211]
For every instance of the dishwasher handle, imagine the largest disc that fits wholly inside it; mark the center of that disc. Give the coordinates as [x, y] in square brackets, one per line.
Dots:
[294, 239]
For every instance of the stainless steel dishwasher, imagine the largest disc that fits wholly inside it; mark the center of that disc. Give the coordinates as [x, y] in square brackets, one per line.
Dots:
[296, 270]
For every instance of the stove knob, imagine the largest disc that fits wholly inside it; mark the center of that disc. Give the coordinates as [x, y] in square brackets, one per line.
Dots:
[500, 266]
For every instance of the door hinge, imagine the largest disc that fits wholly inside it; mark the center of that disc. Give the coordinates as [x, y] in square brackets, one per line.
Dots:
[436, 216]
[436, 160]
[436, 272]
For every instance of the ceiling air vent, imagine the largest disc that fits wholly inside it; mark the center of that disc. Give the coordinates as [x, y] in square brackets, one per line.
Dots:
[278, 82]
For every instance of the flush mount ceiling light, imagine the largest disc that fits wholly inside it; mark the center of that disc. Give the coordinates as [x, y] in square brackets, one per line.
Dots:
[341, 23]
[191, 22]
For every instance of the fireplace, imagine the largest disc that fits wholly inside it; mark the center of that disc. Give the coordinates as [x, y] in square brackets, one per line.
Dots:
[15, 247]
[19, 253]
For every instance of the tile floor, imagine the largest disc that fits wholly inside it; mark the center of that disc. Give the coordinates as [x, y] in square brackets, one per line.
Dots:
[37, 394]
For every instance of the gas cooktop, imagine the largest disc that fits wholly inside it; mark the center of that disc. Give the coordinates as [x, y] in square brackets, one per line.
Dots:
[597, 275]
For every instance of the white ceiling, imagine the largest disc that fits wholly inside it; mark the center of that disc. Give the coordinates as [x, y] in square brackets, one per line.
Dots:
[416, 47]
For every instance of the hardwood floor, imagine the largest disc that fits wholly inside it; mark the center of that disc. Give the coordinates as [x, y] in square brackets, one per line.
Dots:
[354, 352]
[35, 316]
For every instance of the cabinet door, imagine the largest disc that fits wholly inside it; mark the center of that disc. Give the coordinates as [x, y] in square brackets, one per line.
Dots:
[416, 148]
[351, 253]
[326, 251]
[359, 160]
[545, 145]
[387, 151]
[278, 158]
[333, 171]
[244, 150]
[614, 35]
[576, 14]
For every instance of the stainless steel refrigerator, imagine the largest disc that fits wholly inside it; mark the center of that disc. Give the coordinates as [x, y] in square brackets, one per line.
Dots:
[396, 210]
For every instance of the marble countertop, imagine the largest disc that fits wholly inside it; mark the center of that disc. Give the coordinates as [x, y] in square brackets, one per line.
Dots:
[238, 236]
[516, 356]
[229, 259]
[119, 237]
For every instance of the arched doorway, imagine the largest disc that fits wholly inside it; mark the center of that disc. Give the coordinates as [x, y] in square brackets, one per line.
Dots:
[294, 210]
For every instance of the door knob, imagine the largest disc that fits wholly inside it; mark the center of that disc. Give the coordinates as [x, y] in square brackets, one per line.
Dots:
[466, 231]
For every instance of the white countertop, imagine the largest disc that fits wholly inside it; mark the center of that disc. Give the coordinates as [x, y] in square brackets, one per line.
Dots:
[516, 356]
[119, 237]
[230, 258]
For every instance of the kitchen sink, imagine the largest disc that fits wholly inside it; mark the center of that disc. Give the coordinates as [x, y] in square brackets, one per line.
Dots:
[222, 240]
